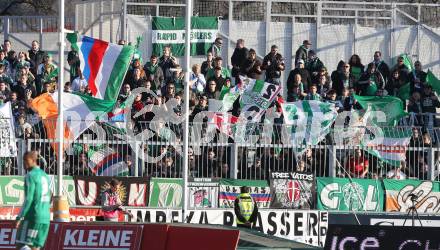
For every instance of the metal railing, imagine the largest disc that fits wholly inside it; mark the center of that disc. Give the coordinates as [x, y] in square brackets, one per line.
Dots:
[158, 153]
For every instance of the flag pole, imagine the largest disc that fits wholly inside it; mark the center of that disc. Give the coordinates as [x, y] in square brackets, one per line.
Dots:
[188, 15]
[60, 122]
[60, 204]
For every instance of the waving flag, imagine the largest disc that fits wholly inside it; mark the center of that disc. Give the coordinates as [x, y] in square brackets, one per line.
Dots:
[104, 161]
[103, 64]
[79, 113]
[310, 121]
[389, 144]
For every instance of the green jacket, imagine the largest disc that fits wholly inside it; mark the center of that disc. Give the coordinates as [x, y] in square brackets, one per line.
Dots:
[36, 206]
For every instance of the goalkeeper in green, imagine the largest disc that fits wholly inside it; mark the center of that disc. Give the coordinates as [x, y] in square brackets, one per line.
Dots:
[34, 219]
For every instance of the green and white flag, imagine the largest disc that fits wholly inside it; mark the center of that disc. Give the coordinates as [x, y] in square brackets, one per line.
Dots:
[257, 98]
[388, 144]
[308, 121]
[171, 31]
[389, 109]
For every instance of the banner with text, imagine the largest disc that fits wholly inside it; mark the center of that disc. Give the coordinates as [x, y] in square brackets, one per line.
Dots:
[292, 190]
[345, 194]
[8, 148]
[230, 189]
[203, 193]
[165, 192]
[401, 194]
[133, 191]
[307, 226]
[170, 31]
[12, 189]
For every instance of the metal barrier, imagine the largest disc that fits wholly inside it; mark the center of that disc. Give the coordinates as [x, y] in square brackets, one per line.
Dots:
[157, 152]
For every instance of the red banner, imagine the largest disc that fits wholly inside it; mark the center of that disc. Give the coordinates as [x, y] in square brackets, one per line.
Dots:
[76, 214]
[101, 236]
[8, 235]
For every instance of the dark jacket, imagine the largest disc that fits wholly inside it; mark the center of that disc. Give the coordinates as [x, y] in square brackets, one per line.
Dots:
[21, 91]
[428, 104]
[36, 58]
[366, 77]
[383, 68]
[301, 53]
[237, 59]
[339, 80]
[166, 64]
[393, 85]
[250, 68]
[305, 77]
[272, 68]
[205, 66]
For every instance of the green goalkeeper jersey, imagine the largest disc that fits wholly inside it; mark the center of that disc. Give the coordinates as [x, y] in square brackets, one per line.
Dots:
[36, 206]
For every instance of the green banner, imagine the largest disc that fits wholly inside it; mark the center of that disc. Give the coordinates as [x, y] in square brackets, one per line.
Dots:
[170, 31]
[165, 192]
[12, 189]
[345, 194]
[402, 194]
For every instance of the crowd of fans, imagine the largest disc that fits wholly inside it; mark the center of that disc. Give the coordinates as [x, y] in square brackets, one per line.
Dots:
[28, 74]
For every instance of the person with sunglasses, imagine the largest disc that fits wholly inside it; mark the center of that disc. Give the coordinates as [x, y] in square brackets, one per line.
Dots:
[216, 47]
[402, 68]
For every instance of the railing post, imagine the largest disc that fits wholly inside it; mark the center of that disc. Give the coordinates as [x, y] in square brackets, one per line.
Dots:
[234, 161]
[5, 28]
[20, 152]
[393, 24]
[41, 32]
[101, 19]
[318, 23]
[268, 20]
[111, 21]
[354, 31]
[332, 160]
[135, 160]
[124, 20]
[431, 164]
[418, 31]
[230, 19]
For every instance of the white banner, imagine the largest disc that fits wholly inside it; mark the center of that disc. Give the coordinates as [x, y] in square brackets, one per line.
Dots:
[306, 226]
[8, 148]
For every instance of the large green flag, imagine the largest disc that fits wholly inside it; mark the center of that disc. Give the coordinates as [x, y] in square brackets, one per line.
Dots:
[433, 81]
[345, 194]
[407, 61]
[171, 31]
[390, 106]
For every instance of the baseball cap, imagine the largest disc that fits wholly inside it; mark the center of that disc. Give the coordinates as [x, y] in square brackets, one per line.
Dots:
[300, 61]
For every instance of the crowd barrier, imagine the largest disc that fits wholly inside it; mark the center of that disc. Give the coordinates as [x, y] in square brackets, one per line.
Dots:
[292, 191]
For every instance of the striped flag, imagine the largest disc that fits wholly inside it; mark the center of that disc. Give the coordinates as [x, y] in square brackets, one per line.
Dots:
[79, 113]
[309, 121]
[388, 144]
[104, 161]
[170, 31]
[103, 64]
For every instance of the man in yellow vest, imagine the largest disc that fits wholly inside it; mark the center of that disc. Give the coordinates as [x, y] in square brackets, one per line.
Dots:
[245, 208]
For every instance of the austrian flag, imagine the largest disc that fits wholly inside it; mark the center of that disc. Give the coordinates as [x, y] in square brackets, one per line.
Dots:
[103, 64]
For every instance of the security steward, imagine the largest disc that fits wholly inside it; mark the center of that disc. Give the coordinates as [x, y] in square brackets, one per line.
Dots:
[245, 209]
